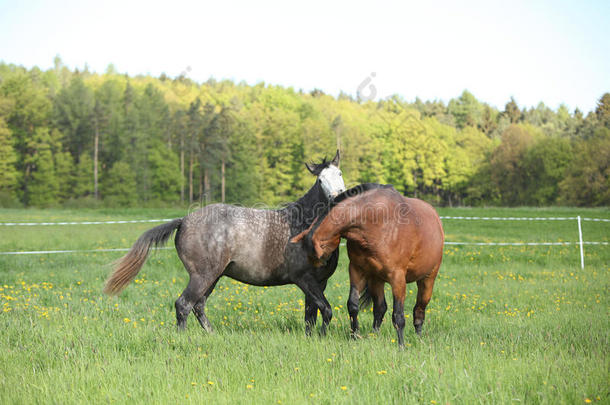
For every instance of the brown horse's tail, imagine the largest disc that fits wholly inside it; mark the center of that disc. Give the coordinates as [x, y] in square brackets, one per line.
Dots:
[128, 266]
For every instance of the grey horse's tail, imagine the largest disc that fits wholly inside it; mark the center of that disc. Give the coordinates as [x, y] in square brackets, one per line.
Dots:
[128, 266]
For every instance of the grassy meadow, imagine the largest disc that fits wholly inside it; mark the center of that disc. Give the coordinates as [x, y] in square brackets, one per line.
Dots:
[506, 324]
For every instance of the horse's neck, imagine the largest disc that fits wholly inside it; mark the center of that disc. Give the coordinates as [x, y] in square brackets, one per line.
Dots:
[307, 208]
[335, 223]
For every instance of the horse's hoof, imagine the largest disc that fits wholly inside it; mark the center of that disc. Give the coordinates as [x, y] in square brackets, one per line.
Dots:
[355, 336]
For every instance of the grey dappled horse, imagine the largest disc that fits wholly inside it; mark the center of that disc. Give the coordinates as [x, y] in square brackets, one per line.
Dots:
[246, 244]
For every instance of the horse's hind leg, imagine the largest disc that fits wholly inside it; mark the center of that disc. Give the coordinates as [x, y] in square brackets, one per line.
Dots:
[379, 305]
[199, 309]
[424, 293]
[399, 286]
[195, 290]
[357, 284]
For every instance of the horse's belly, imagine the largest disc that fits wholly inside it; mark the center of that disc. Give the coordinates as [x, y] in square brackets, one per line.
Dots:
[253, 272]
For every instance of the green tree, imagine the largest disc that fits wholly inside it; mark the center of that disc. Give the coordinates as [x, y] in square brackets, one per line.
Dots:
[42, 185]
[512, 112]
[507, 170]
[603, 110]
[64, 172]
[545, 164]
[466, 110]
[83, 179]
[9, 176]
[587, 181]
[73, 114]
[165, 181]
[119, 185]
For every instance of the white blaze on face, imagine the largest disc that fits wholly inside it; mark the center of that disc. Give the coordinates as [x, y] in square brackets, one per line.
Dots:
[331, 181]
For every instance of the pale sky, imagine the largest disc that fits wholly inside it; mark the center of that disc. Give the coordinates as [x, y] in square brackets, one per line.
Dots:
[551, 51]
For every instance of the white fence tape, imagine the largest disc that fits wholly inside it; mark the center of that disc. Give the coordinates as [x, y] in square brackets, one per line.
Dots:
[528, 218]
[525, 243]
[41, 252]
[83, 222]
[581, 243]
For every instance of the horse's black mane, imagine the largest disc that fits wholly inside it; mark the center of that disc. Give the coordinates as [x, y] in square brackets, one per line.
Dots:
[316, 168]
[359, 189]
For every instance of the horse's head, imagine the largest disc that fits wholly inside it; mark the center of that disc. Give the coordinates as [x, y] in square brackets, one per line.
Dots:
[317, 251]
[330, 178]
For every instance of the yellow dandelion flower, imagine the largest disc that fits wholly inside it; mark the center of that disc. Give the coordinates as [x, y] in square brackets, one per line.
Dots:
[249, 386]
[343, 387]
[211, 382]
[381, 372]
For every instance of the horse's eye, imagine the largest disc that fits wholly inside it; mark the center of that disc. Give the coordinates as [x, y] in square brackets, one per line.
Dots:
[340, 174]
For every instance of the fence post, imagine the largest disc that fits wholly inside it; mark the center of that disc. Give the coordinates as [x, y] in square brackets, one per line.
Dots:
[582, 255]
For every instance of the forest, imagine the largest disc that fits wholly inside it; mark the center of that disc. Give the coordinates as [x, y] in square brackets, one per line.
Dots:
[76, 138]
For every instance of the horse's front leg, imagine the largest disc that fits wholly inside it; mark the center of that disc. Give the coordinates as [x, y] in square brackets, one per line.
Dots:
[314, 294]
[311, 310]
[311, 314]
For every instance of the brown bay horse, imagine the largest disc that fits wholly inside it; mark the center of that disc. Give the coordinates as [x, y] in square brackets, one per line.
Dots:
[390, 239]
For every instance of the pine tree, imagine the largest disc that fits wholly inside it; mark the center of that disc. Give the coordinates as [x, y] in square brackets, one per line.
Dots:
[42, 186]
[119, 185]
[9, 177]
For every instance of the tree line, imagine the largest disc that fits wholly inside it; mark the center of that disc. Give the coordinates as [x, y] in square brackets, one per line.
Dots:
[77, 138]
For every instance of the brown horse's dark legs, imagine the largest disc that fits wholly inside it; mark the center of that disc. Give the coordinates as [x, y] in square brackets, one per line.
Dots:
[199, 309]
[379, 305]
[398, 313]
[357, 284]
[352, 309]
[424, 293]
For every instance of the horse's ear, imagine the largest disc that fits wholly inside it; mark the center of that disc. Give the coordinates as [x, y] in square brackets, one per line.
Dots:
[335, 160]
[311, 168]
[300, 236]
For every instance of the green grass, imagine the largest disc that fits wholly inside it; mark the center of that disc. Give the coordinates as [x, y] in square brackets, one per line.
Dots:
[505, 324]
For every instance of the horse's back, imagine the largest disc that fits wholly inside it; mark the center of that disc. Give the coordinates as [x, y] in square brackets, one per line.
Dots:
[252, 240]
